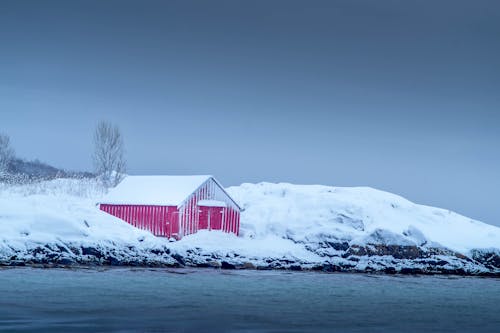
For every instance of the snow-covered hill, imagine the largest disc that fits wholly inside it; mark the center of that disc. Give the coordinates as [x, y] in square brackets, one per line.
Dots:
[357, 215]
[283, 226]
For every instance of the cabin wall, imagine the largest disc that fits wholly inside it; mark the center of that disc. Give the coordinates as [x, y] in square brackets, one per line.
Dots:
[189, 212]
[170, 221]
[159, 220]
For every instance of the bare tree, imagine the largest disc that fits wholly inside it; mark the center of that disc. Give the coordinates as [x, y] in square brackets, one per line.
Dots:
[6, 154]
[109, 161]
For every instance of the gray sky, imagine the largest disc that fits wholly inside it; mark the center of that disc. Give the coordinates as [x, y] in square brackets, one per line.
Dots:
[399, 95]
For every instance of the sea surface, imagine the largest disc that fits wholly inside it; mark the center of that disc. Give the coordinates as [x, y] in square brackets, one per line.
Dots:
[207, 300]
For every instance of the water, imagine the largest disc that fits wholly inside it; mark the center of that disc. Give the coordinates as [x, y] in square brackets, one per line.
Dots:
[205, 300]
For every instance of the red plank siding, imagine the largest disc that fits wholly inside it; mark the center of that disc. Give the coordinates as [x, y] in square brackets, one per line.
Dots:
[188, 218]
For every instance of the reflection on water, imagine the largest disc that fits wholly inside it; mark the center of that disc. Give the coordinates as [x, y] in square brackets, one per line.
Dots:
[205, 300]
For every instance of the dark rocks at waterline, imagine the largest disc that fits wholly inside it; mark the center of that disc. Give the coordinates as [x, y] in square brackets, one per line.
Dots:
[179, 259]
[489, 258]
[91, 251]
[329, 268]
[390, 270]
[388, 259]
[65, 261]
[410, 270]
[396, 251]
[226, 265]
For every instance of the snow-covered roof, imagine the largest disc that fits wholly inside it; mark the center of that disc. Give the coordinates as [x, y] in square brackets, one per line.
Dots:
[154, 190]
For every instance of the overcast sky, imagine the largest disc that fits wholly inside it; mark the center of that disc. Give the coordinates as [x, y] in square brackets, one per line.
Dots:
[403, 96]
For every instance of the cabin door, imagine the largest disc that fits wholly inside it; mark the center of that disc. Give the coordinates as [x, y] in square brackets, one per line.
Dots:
[210, 218]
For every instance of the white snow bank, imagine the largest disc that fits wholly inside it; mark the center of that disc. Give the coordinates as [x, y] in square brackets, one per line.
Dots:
[270, 246]
[280, 220]
[65, 211]
[311, 212]
[59, 210]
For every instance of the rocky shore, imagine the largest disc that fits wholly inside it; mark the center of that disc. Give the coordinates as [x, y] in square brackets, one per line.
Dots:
[372, 258]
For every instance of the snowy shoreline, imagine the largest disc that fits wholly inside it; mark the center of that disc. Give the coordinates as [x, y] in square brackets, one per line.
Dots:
[284, 226]
[50, 256]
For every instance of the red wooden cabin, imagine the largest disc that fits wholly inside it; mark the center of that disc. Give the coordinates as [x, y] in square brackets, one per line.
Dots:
[173, 206]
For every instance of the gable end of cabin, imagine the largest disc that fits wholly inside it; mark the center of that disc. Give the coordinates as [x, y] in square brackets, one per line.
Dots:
[223, 213]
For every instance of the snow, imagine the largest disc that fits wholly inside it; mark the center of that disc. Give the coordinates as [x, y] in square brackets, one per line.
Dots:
[39, 214]
[154, 190]
[221, 243]
[355, 214]
[279, 221]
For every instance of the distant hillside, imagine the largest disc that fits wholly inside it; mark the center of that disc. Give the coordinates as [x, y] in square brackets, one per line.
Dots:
[20, 170]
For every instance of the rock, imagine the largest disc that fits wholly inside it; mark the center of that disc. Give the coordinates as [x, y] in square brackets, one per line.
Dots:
[490, 258]
[338, 246]
[17, 263]
[65, 261]
[380, 258]
[91, 251]
[75, 250]
[135, 263]
[157, 251]
[328, 268]
[390, 270]
[264, 268]
[248, 265]
[179, 259]
[202, 265]
[52, 256]
[214, 264]
[226, 265]
[457, 271]
[61, 249]
[495, 274]
[112, 261]
[356, 250]
[411, 270]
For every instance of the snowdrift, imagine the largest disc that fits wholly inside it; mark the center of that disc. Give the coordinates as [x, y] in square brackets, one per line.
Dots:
[283, 226]
[358, 215]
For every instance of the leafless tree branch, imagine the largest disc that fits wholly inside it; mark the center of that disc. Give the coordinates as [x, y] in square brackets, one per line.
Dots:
[6, 154]
[108, 157]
